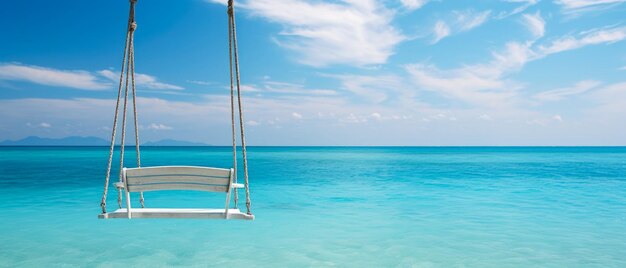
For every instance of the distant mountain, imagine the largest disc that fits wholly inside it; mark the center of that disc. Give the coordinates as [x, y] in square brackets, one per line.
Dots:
[169, 142]
[67, 141]
[89, 141]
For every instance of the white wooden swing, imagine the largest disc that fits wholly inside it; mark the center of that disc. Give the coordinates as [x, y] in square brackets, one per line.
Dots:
[143, 179]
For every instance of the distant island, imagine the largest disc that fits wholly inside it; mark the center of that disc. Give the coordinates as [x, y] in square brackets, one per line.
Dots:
[88, 141]
[67, 141]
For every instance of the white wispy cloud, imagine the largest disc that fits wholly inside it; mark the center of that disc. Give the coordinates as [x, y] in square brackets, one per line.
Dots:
[460, 21]
[202, 83]
[470, 19]
[535, 24]
[376, 116]
[350, 32]
[76, 79]
[413, 4]
[141, 80]
[593, 37]
[42, 125]
[525, 4]
[582, 4]
[155, 126]
[276, 87]
[481, 84]
[438, 117]
[485, 84]
[151, 82]
[353, 32]
[253, 123]
[296, 115]
[440, 31]
[463, 84]
[223, 2]
[561, 93]
[373, 88]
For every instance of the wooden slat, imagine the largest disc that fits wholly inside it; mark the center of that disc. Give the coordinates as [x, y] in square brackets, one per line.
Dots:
[127, 191]
[230, 190]
[178, 170]
[173, 213]
[175, 186]
[175, 179]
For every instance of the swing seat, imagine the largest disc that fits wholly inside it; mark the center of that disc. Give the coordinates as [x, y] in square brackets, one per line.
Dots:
[177, 213]
[178, 178]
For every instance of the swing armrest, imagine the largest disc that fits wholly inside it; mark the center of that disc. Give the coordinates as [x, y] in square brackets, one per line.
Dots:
[119, 185]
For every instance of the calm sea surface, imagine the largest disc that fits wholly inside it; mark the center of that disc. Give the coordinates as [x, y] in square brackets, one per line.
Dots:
[320, 206]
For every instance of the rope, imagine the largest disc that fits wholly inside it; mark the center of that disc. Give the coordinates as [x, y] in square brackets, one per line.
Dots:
[134, 91]
[119, 191]
[131, 31]
[103, 202]
[231, 13]
[232, 106]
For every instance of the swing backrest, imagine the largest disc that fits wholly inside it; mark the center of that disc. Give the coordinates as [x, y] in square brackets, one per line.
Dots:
[177, 178]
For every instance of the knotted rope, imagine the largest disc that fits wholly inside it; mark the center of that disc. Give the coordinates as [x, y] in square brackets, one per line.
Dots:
[132, 75]
[232, 106]
[128, 70]
[233, 47]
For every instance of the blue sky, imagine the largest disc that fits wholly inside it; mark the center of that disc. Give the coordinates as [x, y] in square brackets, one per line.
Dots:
[353, 72]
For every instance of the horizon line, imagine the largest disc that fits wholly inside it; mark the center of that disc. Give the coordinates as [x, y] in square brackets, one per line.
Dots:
[355, 146]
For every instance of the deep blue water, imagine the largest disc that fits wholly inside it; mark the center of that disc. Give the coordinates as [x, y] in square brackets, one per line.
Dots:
[329, 206]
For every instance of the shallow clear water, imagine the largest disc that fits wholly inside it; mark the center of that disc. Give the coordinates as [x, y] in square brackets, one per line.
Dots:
[347, 207]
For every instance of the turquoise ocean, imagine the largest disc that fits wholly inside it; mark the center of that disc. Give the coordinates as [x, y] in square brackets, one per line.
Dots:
[328, 206]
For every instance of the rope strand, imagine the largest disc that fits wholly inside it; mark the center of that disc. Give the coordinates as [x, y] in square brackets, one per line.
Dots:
[232, 106]
[134, 91]
[103, 202]
[241, 121]
[131, 26]
[122, 146]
